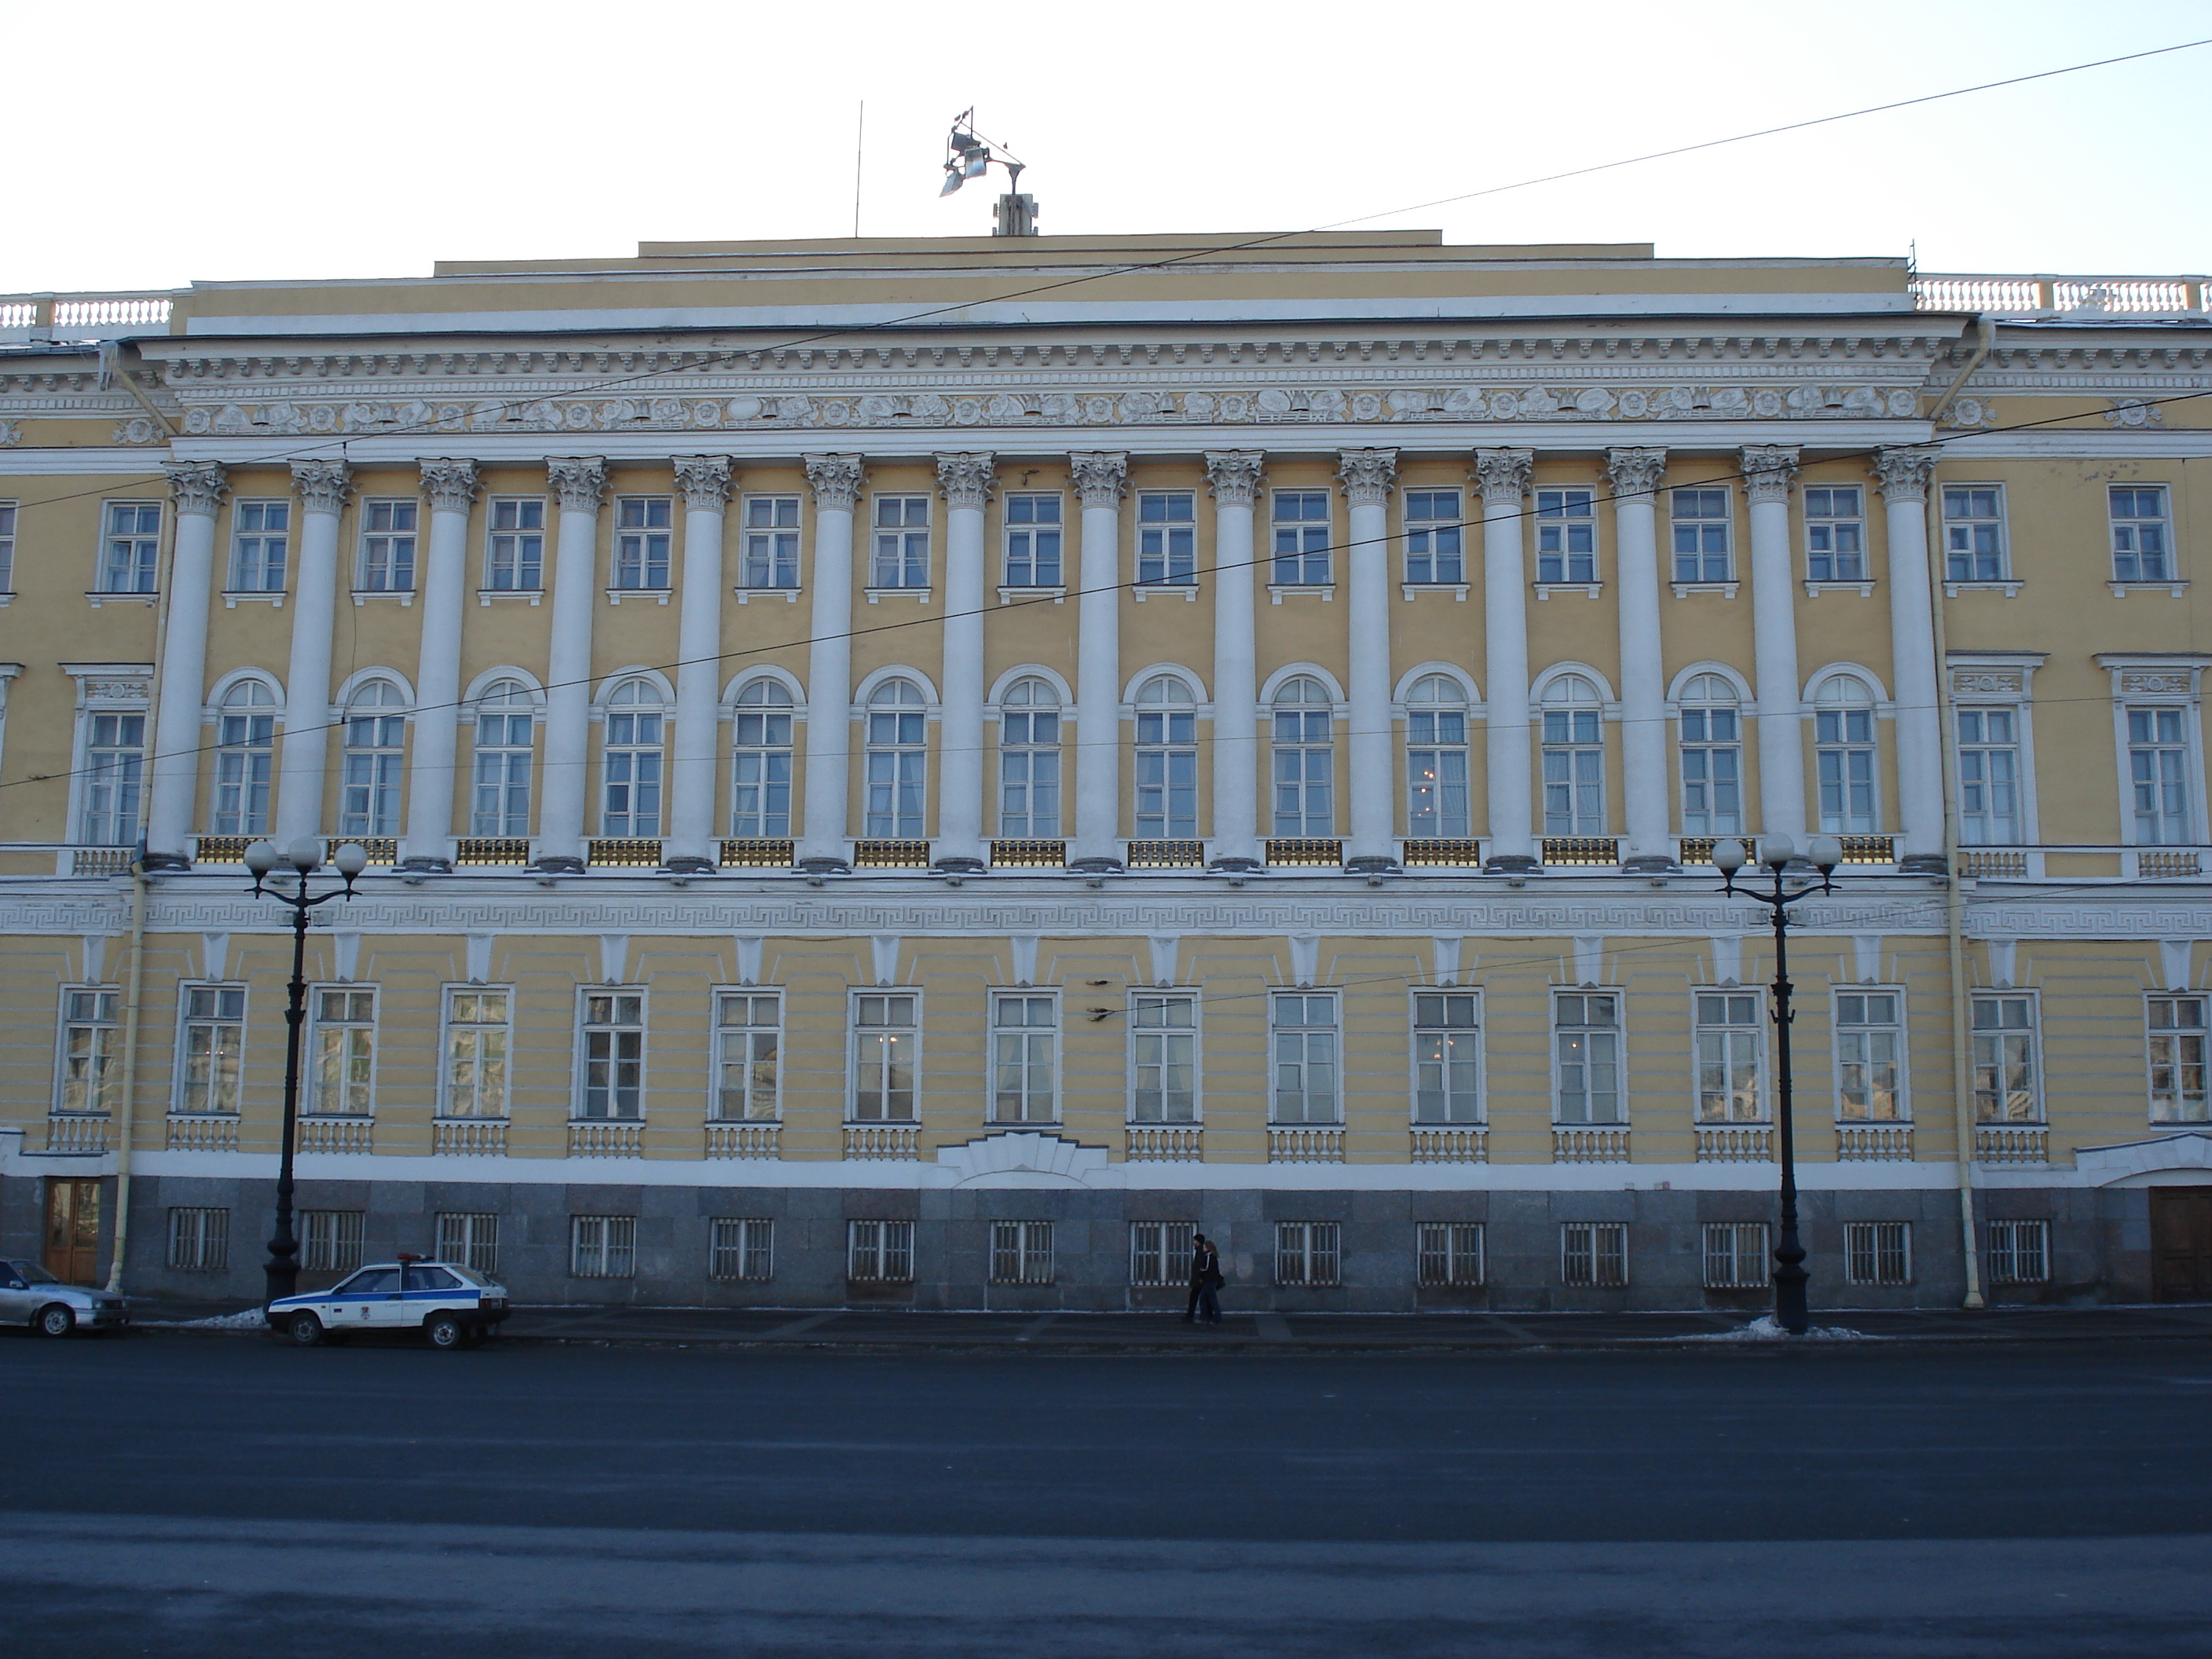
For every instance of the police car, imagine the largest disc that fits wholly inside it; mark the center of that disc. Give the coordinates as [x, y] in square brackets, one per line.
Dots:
[452, 1306]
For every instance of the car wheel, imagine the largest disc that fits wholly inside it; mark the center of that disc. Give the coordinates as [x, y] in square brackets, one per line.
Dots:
[304, 1330]
[445, 1331]
[55, 1320]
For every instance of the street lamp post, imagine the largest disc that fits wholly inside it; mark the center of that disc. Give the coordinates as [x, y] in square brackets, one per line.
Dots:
[304, 856]
[1776, 853]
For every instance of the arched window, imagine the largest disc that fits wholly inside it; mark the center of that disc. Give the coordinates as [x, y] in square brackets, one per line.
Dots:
[1844, 755]
[1712, 730]
[1574, 758]
[1305, 759]
[897, 761]
[760, 766]
[504, 722]
[1167, 760]
[1435, 759]
[375, 759]
[245, 746]
[629, 796]
[1029, 760]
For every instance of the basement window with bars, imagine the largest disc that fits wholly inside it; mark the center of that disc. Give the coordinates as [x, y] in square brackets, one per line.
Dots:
[1594, 1254]
[329, 1240]
[199, 1239]
[1878, 1252]
[1021, 1253]
[1735, 1255]
[1450, 1253]
[879, 1252]
[2020, 1252]
[1160, 1252]
[1308, 1253]
[742, 1247]
[602, 1247]
[470, 1238]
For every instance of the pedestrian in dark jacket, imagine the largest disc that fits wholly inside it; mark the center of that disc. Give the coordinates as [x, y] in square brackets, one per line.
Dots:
[1206, 1280]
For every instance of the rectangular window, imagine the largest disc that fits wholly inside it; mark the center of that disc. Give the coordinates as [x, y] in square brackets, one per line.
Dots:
[879, 1252]
[1566, 536]
[1574, 772]
[1735, 1255]
[261, 534]
[602, 1247]
[1989, 777]
[1029, 761]
[1701, 519]
[1586, 1039]
[92, 1052]
[514, 561]
[1436, 537]
[114, 770]
[886, 1044]
[1450, 1253]
[2142, 544]
[470, 1238]
[2006, 1088]
[199, 1240]
[902, 547]
[7, 547]
[245, 761]
[1308, 1253]
[1835, 535]
[1304, 757]
[630, 767]
[760, 762]
[1166, 761]
[1021, 1253]
[741, 1248]
[1167, 539]
[1160, 1252]
[344, 1050]
[1437, 801]
[1301, 538]
[1163, 1059]
[1843, 761]
[1869, 1046]
[771, 558]
[502, 765]
[642, 541]
[1447, 1057]
[1594, 1254]
[1305, 1043]
[130, 552]
[2158, 770]
[1878, 1252]
[1025, 1048]
[476, 1053]
[2177, 1060]
[749, 1041]
[1731, 1046]
[213, 1041]
[1033, 541]
[2020, 1252]
[614, 1054]
[1713, 771]
[388, 546]
[329, 1240]
[1973, 533]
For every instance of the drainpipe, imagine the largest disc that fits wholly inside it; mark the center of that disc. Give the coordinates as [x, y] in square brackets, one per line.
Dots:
[112, 372]
[1985, 334]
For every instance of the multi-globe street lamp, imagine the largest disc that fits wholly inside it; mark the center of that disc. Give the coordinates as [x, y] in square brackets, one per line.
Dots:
[304, 856]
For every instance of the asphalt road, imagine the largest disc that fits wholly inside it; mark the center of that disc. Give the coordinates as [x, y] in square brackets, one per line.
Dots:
[191, 1496]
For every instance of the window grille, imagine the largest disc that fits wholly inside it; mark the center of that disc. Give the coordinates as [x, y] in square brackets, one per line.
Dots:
[1308, 1253]
[1021, 1253]
[1735, 1255]
[470, 1239]
[1160, 1252]
[879, 1252]
[741, 1248]
[603, 1246]
[199, 1240]
[1594, 1254]
[1878, 1252]
[1450, 1253]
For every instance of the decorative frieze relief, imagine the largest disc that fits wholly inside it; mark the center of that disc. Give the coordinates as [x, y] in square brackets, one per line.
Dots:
[11, 433]
[1987, 683]
[141, 429]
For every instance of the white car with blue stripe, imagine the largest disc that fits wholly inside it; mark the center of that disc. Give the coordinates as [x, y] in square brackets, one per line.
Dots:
[451, 1306]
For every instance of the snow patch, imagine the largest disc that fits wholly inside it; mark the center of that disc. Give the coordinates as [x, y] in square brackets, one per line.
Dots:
[250, 1319]
[1767, 1328]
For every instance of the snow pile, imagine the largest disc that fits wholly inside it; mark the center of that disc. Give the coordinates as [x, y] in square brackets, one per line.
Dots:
[1767, 1328]
[250, 1319]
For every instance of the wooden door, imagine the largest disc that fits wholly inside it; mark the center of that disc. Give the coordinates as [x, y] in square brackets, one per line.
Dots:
[73, 1230]
[2181, 1243]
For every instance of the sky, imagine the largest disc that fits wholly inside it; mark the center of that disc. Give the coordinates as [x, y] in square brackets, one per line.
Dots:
[242, 140]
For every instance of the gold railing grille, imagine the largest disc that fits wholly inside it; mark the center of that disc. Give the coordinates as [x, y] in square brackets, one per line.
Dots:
[381, 849]
[1869, 849]
[1305, 854]
[756, 855]
[498, 849]
[891, 855]
[1167, 854]
[1582, 850]
[1029, 855]
[1454, 853]
[630, 852]
[222, 850]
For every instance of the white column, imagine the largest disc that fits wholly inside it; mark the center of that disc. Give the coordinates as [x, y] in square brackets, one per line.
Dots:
[1503, 476]
[1635, 476]
[705, 482]
[964, 480]
[1769, 474]
[1903, 475]
[837, 480]
[1233, 477]
[1367, 475]
[580, 482]
[1101, 479]
[197, 487]
[452, 486]
[322, 488]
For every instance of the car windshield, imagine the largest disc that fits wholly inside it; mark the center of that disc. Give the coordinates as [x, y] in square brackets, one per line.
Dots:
[370, 1280]
[33, 1273]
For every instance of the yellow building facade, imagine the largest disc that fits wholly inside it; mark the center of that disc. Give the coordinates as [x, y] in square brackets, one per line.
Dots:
[926, 771]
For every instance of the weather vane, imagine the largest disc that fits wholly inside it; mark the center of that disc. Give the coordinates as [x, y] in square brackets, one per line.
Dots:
[969, 155]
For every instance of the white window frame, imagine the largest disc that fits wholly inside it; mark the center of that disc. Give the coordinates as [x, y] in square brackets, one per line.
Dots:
[2131, 528]
[1458, 1246]
[2154, 1033]
[1862, 581]
[508, 555]
[1700, 579]
[1033, 824]
[1558, 520]
[746, 1242]
[470, 1238]
[1306, 1030]
[1168, 1245]
[751, 1033]
[181, 1095]
[1604, 1245]
[1985, 680]
[1303, 581]
[1974, 826]
[1704, 707]
[242, 788]
[367, 566]
[1141, 1034]
[8, 512]
[1156, 540]
[754, 704]
[1953, 584]
[311, 1094]
[1021, 1253]
[602, 1247]
[1755, 1027]
[1011, 531]
[2039, 1111]
[261, 538]
[1308, 1254]
[104, 1050]
[645, 762]
[145, 557]
[2146, 683]
[883, 1245]
[766, 542]
[1570, 748]
[1737, 1255]
[1025, 1033]
[1819, 705]
[895, 752]
[1306, 745]
[853, 1043]
[1878, 1252]
[1454, 528]
[331, 1241]
[1170, 826]
[1561, 1029]
[383, 760]
[643, 549]
[506, 710]
[1418, 1060]
[447, 1025]
[614, 1027]
[904, 531]
[2019, 1251]
[1897, 1029]
[120, 691]
[199, 1238]
[1449, 825]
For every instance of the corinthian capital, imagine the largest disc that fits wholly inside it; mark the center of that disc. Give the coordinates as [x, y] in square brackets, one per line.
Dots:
[836, 481]
[1503, 474]
[322, 486]
[1367, 474]
[196, 486]
[705, 482]
[1233, 476]
[580, 482]
[1635, 471]
[450, 484]
[1769, 473]
[1904, 474]
[1101, 478]
[965, 480]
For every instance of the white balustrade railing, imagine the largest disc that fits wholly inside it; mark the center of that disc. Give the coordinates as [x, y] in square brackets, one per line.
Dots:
[606, 1139]
[743, 1139]
[1287, 1144]
[212, 1134]
[1588, 1146]
[1462, 1144]
[84, 316]
[2012, 1142]
[469, 1136]
[2060, 296]
[336, 1134]
[77, 1131]
[1874, 1142]
[879, 1140]
[1162, 1143]
[1736, 1143]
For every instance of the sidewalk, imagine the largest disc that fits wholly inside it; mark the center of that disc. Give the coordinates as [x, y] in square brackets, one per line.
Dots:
[894, 1330]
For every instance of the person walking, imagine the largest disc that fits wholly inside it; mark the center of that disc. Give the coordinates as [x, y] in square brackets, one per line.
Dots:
[1206, 1281]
